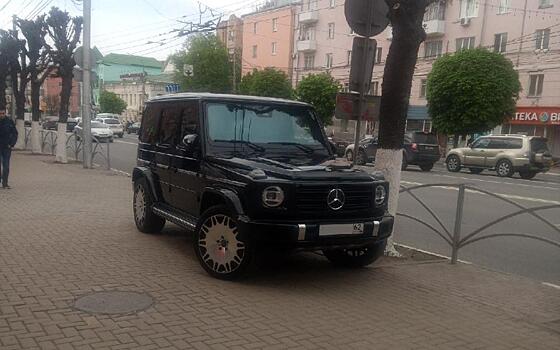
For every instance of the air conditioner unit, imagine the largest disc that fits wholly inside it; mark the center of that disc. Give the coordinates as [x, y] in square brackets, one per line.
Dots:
[465, 21]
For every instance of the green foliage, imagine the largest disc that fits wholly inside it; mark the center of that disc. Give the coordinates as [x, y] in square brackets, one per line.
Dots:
[471, 91]
[109, 102]
[269, 82]
[319, 90]
[212, 69]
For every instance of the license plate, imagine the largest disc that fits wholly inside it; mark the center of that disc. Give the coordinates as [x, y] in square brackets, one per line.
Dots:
[341, 229]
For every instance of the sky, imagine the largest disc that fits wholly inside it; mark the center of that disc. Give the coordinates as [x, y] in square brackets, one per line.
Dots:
[137, 27]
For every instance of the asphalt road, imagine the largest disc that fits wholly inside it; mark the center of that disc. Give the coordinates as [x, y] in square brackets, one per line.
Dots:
[530, 258]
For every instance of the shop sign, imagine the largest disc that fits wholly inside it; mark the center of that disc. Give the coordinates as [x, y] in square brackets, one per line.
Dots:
[536, 116]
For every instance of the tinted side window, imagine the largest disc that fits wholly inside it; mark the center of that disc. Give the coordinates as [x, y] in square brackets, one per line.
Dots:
[515, 143]
[190, 122]
[481, 143]
[169, 125]
[149, 124]
[498, 144]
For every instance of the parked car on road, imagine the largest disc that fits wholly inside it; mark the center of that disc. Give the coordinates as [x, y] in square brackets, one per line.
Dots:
[366, 151]
[506, 154]
[421, 149]
[248, 173]
[99, 131]
[133, 128]
[339, 146]
[51, 123]
[113, 124]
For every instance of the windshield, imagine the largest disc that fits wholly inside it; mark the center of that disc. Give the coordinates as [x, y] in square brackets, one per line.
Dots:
[111, 121]
[97, 125]
[285, 133]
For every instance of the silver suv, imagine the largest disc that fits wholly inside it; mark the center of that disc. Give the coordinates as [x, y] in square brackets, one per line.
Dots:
[506, 154]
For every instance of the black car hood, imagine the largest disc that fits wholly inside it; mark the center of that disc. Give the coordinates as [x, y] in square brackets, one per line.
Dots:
[327, 171]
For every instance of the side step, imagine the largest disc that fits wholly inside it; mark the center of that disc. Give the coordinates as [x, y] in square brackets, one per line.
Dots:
[184, 220]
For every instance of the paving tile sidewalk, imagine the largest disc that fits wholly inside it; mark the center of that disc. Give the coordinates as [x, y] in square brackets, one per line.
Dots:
[66, 232]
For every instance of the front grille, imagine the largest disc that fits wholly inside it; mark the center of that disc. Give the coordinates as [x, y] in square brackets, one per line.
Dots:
[312, 199]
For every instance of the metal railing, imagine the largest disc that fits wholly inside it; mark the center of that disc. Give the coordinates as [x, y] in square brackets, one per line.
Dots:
[74, 144]
[454, 238]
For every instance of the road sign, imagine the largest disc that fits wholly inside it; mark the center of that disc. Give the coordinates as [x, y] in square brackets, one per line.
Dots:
[358, 12]
[348, 105]
[172, 88]
[360, 70]
[188, 70]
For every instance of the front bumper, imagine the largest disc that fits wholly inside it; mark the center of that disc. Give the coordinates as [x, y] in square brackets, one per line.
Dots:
[305, 235]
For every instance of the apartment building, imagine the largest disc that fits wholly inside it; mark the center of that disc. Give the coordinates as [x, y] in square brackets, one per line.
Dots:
[268, 35]
[525, 31]
[230, 33]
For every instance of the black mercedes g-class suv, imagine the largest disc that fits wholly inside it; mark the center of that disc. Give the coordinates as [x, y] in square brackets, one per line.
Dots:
[247, 172]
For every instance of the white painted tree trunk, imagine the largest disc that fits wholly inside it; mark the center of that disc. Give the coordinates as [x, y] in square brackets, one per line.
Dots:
[389, 162]
[35, 138]
[20, 127]
[61, 155]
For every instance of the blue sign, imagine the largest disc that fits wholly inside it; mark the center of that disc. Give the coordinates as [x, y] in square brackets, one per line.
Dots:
[172, 88]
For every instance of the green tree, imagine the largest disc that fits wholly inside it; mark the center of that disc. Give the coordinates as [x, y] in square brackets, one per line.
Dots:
[211, 66]
[319, 90]
[269, 82]
[109, 102]
[471, 91]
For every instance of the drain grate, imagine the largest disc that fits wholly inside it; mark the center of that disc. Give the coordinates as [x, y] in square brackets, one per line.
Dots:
[114, 302]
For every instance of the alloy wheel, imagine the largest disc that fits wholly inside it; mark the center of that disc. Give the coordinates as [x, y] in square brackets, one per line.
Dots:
[140, 205]
[452, 163]
[219, 244]
[503, 169]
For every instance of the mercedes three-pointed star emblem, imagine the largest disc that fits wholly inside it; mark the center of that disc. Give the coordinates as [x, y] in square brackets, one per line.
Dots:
[335, 199]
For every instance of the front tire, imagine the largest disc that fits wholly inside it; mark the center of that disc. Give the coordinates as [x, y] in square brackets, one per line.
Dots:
[121, 136]
[349, 155]
[145, 219]
[453, 163]
[223, 251]
[362, 158]
[504, 168]
[426, 167]
[356, 257]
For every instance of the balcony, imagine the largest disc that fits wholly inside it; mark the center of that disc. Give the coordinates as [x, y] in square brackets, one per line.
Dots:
[308, 17]
[434, 27]
[306, 45]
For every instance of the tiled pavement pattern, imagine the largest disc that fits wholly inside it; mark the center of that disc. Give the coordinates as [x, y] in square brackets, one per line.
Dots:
[66, 232]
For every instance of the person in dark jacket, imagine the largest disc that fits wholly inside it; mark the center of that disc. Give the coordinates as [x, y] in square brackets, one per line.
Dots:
[8, 138]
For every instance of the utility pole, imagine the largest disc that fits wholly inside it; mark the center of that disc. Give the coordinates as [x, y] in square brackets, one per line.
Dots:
[86, 106]
[143, 92]
[14, 76]
[234, 75]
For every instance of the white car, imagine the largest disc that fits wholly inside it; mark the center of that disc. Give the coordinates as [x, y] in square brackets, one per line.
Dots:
[113, 124]
[99, 131]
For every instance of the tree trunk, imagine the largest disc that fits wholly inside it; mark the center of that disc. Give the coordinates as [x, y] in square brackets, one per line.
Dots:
[61, 154]
[408, 33]
[455, 140]
[65, 93]
[35, 137]
[3, 77]
[35, 100]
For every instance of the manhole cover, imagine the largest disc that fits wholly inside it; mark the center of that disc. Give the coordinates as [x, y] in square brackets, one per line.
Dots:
[114, 302]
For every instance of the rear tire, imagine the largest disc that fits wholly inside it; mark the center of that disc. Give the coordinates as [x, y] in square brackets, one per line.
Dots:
[145, 219]
[223, 251]
[527, 175]
[475, 170]
[362, 158]
[504, 168]
[356, 257]
[426, 167]
[349, 155]
[453, 163]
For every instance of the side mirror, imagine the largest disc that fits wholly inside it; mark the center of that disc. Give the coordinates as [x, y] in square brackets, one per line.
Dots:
[190, 140]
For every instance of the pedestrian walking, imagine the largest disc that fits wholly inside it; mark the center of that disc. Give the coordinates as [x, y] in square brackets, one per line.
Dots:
[8, 138]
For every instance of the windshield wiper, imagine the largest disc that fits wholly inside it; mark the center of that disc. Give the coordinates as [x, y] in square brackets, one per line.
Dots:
[304, 148]
[251, 145]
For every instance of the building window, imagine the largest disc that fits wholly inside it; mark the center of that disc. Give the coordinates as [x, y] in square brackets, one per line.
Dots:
[464, 43]
[378, 55]
[231, 35]
[332, 3]
[374, 88]
[542, 37]
[275, 24]
[500, 42]
[274, 48]
[423, 88]
[331, 30]
[435, 11]
[348, 57]
[312, 4]
[504, 6]
[469, 8]
[308, 61]
[307, 32]
[536, 85]
[329, 60]
[254, 51]
[543, 4]
[255, 28]
[433, 49]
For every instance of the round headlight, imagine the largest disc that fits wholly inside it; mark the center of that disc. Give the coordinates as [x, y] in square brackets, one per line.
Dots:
[380, 195]
[272, 197]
